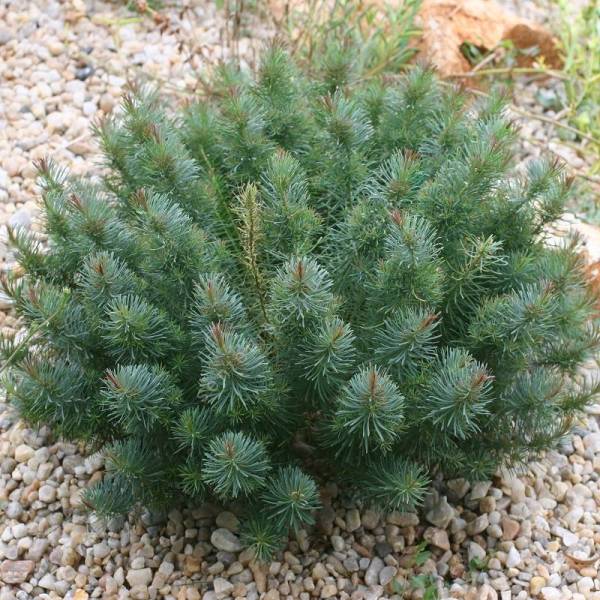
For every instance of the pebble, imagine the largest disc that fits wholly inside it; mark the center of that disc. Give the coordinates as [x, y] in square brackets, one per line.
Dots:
[222, 587]
[475, 552]
[23, 453]
[372, 573]
[228, 520]
[550, 593]
[5, 36]
[223, 539]
[480, 490]
[569, 538]
[387, 574]
[514, 558]
[139, 576]
[478, 525]
[441, 513]
[47, 494]
[338, 543]
[20, 219]
[16, 571]
[536, 584]
[353, 521]
[510, 528]
[370, 519]
[437, 537]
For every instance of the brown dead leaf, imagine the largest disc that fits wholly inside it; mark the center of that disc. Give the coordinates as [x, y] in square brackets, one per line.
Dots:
[579, 563]
[448, 24]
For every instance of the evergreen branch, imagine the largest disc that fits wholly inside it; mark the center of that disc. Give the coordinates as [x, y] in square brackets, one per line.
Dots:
[291, 498]
[236, 373]
[369, 413]
[249, 212]
[262, 536]
[395, 484]
[234, 465]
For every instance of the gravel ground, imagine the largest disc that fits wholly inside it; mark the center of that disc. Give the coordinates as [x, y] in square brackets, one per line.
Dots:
[516, 537]
[65, 64]
[532, 536]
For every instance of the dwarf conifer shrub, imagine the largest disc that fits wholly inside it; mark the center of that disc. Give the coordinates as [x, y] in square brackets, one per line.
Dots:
[293, 278]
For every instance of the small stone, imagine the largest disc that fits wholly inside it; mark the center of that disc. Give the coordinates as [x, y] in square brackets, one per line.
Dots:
[329, 590]
[536, 584]
[510, 528]
[80, 147]
[222, 587]
[441, 513]
[554, 580]
[55, 122]
[370, 519]
[47, 494]
[139, 576]
[37, 550]
[13, 510]
[192, 564]
[19, 530]
[107, 103]
[319, 572]
[80, 595]
[387, 574]
[6, 35]
[480, 490]
[352, 520]
[101, 550]
[16, 571]
[550, 593]
[514, 558]
[475, 552]
[20, 219]
[517, 490]
[478, 525]
[89, 108]
[56, 48]
[228, 520]
[47, 582]
[569, 539]
[437, 537]
[84, 72]
[458, 488]
[585, 585]
[372, 573]
[325, 518]
[487, 504]
[338, 543]
[559, 490]
[23, 453]
[225, 540]
[592, 442]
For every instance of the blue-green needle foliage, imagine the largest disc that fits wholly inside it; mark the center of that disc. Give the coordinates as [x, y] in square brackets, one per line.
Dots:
[293, 277]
